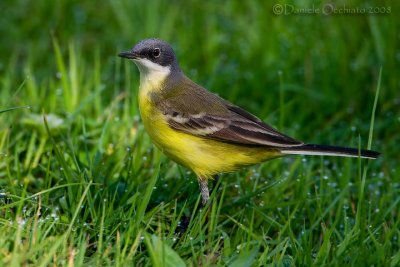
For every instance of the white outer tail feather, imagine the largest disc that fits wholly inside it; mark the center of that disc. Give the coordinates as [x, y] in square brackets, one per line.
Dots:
[322, 150]
[320, 153]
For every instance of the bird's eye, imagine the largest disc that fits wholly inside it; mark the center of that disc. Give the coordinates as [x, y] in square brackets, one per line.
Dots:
[156, 52]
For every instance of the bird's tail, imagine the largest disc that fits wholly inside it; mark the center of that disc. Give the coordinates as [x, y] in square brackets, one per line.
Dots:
[322, 150]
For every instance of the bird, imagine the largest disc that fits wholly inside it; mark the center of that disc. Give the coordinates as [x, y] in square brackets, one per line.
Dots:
[202, 131]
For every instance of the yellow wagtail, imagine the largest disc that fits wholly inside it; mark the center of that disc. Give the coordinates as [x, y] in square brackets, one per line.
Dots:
[202, 131]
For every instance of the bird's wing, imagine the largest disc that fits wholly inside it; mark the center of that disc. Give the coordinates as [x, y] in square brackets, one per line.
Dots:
[201, 113]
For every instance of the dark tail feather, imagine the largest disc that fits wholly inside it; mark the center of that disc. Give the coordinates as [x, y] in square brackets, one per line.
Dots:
[323, 150]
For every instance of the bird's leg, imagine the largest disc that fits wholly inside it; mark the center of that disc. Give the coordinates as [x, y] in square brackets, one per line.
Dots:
[205, 194]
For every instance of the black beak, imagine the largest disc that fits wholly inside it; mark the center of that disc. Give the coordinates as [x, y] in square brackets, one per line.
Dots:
[128, 54]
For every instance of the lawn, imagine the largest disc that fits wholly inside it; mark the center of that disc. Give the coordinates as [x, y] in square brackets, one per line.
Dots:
[82, 185]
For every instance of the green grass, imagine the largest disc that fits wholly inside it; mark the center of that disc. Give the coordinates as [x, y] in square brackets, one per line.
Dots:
[82, 185]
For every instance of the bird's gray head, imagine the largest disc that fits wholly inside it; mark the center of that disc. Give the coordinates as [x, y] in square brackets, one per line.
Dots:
[152, 55]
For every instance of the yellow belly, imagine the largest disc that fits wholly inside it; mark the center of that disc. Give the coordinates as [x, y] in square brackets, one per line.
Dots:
[205, 157]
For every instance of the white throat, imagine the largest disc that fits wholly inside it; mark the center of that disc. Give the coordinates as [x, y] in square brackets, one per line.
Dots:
[151, 74]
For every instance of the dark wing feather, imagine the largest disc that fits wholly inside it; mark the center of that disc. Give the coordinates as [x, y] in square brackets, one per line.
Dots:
[198, 112]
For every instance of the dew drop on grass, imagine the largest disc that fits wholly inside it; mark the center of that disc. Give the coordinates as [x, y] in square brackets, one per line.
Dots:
[333, 184]
[21, 222]
[59, 91]
[314, 255]
[54, 216]
[142, 238]
[325, 177]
